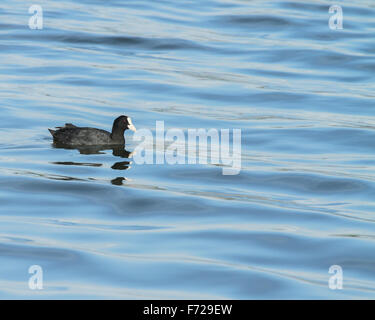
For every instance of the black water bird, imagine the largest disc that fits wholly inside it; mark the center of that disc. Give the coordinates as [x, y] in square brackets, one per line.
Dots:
[71, 135]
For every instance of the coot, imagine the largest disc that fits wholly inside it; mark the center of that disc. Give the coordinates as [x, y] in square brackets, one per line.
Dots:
[72, 135]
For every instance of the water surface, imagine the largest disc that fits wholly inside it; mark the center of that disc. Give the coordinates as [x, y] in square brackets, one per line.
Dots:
[102, 226]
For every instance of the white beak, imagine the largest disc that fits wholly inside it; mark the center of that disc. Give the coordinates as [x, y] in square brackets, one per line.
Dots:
[130, 125]
[132, 128]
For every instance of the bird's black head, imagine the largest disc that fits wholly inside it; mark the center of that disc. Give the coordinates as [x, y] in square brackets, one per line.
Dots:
[123, 123]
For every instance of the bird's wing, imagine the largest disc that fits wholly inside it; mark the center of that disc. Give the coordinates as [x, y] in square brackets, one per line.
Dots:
[67, 125]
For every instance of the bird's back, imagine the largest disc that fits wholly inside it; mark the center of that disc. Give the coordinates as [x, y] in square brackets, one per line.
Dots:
[72, 135]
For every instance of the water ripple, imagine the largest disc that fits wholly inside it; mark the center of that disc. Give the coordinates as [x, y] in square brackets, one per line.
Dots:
[103, 226]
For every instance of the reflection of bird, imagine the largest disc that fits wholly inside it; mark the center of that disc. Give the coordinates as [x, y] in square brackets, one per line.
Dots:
[71, 135]
[118, 181]
[123, 165]
[117, 151]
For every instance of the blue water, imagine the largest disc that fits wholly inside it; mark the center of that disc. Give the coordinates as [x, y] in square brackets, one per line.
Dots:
[102, 226]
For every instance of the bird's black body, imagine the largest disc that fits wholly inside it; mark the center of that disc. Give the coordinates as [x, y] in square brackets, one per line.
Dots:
[71, 135]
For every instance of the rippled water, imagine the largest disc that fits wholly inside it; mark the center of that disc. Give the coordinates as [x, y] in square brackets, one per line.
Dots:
[102, 226]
